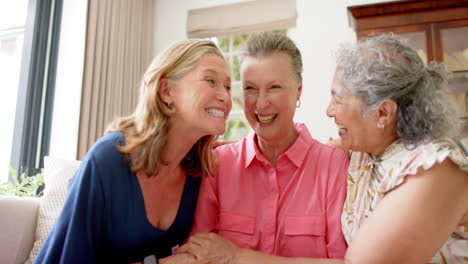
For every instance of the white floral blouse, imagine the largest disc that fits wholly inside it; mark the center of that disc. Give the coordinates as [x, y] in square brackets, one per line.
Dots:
[369, 179]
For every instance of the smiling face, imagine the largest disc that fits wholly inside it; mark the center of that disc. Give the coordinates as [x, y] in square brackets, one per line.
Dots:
[202, 97]
[358, 131]
[271, 91]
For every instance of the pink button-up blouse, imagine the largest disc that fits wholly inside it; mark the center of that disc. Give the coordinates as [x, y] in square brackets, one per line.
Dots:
[292, 209]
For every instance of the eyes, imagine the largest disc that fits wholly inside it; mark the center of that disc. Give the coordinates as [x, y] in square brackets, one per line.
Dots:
[272, 87]
[213, 83]
[210, 81]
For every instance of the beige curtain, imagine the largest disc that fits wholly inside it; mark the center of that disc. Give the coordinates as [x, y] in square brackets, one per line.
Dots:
[118, 49]
[240, 18]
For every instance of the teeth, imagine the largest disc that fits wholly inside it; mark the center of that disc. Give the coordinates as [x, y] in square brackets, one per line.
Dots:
[341, 128]
[266, 118]
[215, 112]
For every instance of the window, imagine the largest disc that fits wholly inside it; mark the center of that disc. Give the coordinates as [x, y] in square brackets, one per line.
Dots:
[237, 125]
[29, 32]
[12, 23]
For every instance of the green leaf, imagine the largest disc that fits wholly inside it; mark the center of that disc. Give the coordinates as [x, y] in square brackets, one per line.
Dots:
[23, 185]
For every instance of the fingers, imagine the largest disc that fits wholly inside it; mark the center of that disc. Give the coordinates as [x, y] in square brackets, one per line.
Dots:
[208, 248]
[202, 239]
[190, 248]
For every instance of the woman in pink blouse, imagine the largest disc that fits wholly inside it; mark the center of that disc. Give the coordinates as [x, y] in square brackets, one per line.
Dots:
[407, 199]
[278, 190]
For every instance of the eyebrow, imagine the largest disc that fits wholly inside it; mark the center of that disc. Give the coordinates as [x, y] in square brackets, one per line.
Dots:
[247, 82]
[214, 72]
[209, 70]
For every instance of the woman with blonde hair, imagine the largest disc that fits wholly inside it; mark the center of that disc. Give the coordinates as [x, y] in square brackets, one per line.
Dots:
[135, 193]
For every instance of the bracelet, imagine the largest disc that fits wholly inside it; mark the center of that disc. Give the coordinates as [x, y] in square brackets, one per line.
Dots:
[151, 259]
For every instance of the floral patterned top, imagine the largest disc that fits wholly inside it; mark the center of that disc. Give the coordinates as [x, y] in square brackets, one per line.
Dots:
[370, 178]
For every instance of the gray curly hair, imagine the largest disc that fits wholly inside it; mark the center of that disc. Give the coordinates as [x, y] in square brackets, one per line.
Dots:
[386, 67]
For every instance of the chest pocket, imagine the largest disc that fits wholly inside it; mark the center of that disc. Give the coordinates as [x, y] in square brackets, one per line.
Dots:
[314, 225]
[238, 228]
[305, 236]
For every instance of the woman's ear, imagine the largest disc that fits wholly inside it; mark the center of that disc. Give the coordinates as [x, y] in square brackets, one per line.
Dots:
[299, 90]
[387, 113]
[164, 91]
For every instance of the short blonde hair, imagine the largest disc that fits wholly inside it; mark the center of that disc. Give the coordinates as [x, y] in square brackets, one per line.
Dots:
[146, 129]
[267, 43]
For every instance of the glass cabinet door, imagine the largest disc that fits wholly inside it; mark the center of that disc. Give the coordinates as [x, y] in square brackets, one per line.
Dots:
[417, 36]
[454, 51]
[418, 41]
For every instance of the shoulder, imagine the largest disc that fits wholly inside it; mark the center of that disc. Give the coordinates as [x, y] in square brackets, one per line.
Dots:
[105, 149]
[318, 148]
[108, 143]
[411, 159]
[429, 156]
[104, 159]
[230, 150]
[332, 152]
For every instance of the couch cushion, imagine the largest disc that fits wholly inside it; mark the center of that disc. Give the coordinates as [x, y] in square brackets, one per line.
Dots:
[17, 223]
[57, 173]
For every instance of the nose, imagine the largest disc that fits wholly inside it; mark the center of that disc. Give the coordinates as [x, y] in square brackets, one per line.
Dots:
[262, 100]
[330, 110]
[223, 95]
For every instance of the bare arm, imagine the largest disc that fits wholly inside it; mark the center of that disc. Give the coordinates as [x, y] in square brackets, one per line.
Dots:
[414, 220]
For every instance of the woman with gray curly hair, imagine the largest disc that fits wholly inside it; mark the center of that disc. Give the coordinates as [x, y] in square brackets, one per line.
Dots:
[407, 199]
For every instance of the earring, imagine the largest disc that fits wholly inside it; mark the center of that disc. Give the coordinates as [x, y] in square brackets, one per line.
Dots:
[298, 103]
[380, 125]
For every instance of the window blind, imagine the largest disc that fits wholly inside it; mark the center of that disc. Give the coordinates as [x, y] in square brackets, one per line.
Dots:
[240, 18]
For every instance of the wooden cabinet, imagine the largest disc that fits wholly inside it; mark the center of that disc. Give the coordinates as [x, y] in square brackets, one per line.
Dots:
[437, 29]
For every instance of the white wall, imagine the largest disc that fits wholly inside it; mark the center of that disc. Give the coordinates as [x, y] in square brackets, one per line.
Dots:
[66, 114]
[321, 27]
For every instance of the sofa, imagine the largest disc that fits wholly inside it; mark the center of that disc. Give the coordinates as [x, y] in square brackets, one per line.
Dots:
[18, 227]
[25, 222]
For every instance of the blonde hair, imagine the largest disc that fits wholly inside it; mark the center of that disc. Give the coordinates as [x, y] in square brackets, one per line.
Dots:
[146, 129]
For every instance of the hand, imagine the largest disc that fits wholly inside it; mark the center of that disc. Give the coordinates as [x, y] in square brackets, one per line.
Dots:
[182, 258]
[210, 248]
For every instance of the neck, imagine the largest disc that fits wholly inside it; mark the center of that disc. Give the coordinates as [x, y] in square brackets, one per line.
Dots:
[179, 142]
[272, 149]
[388, 137]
